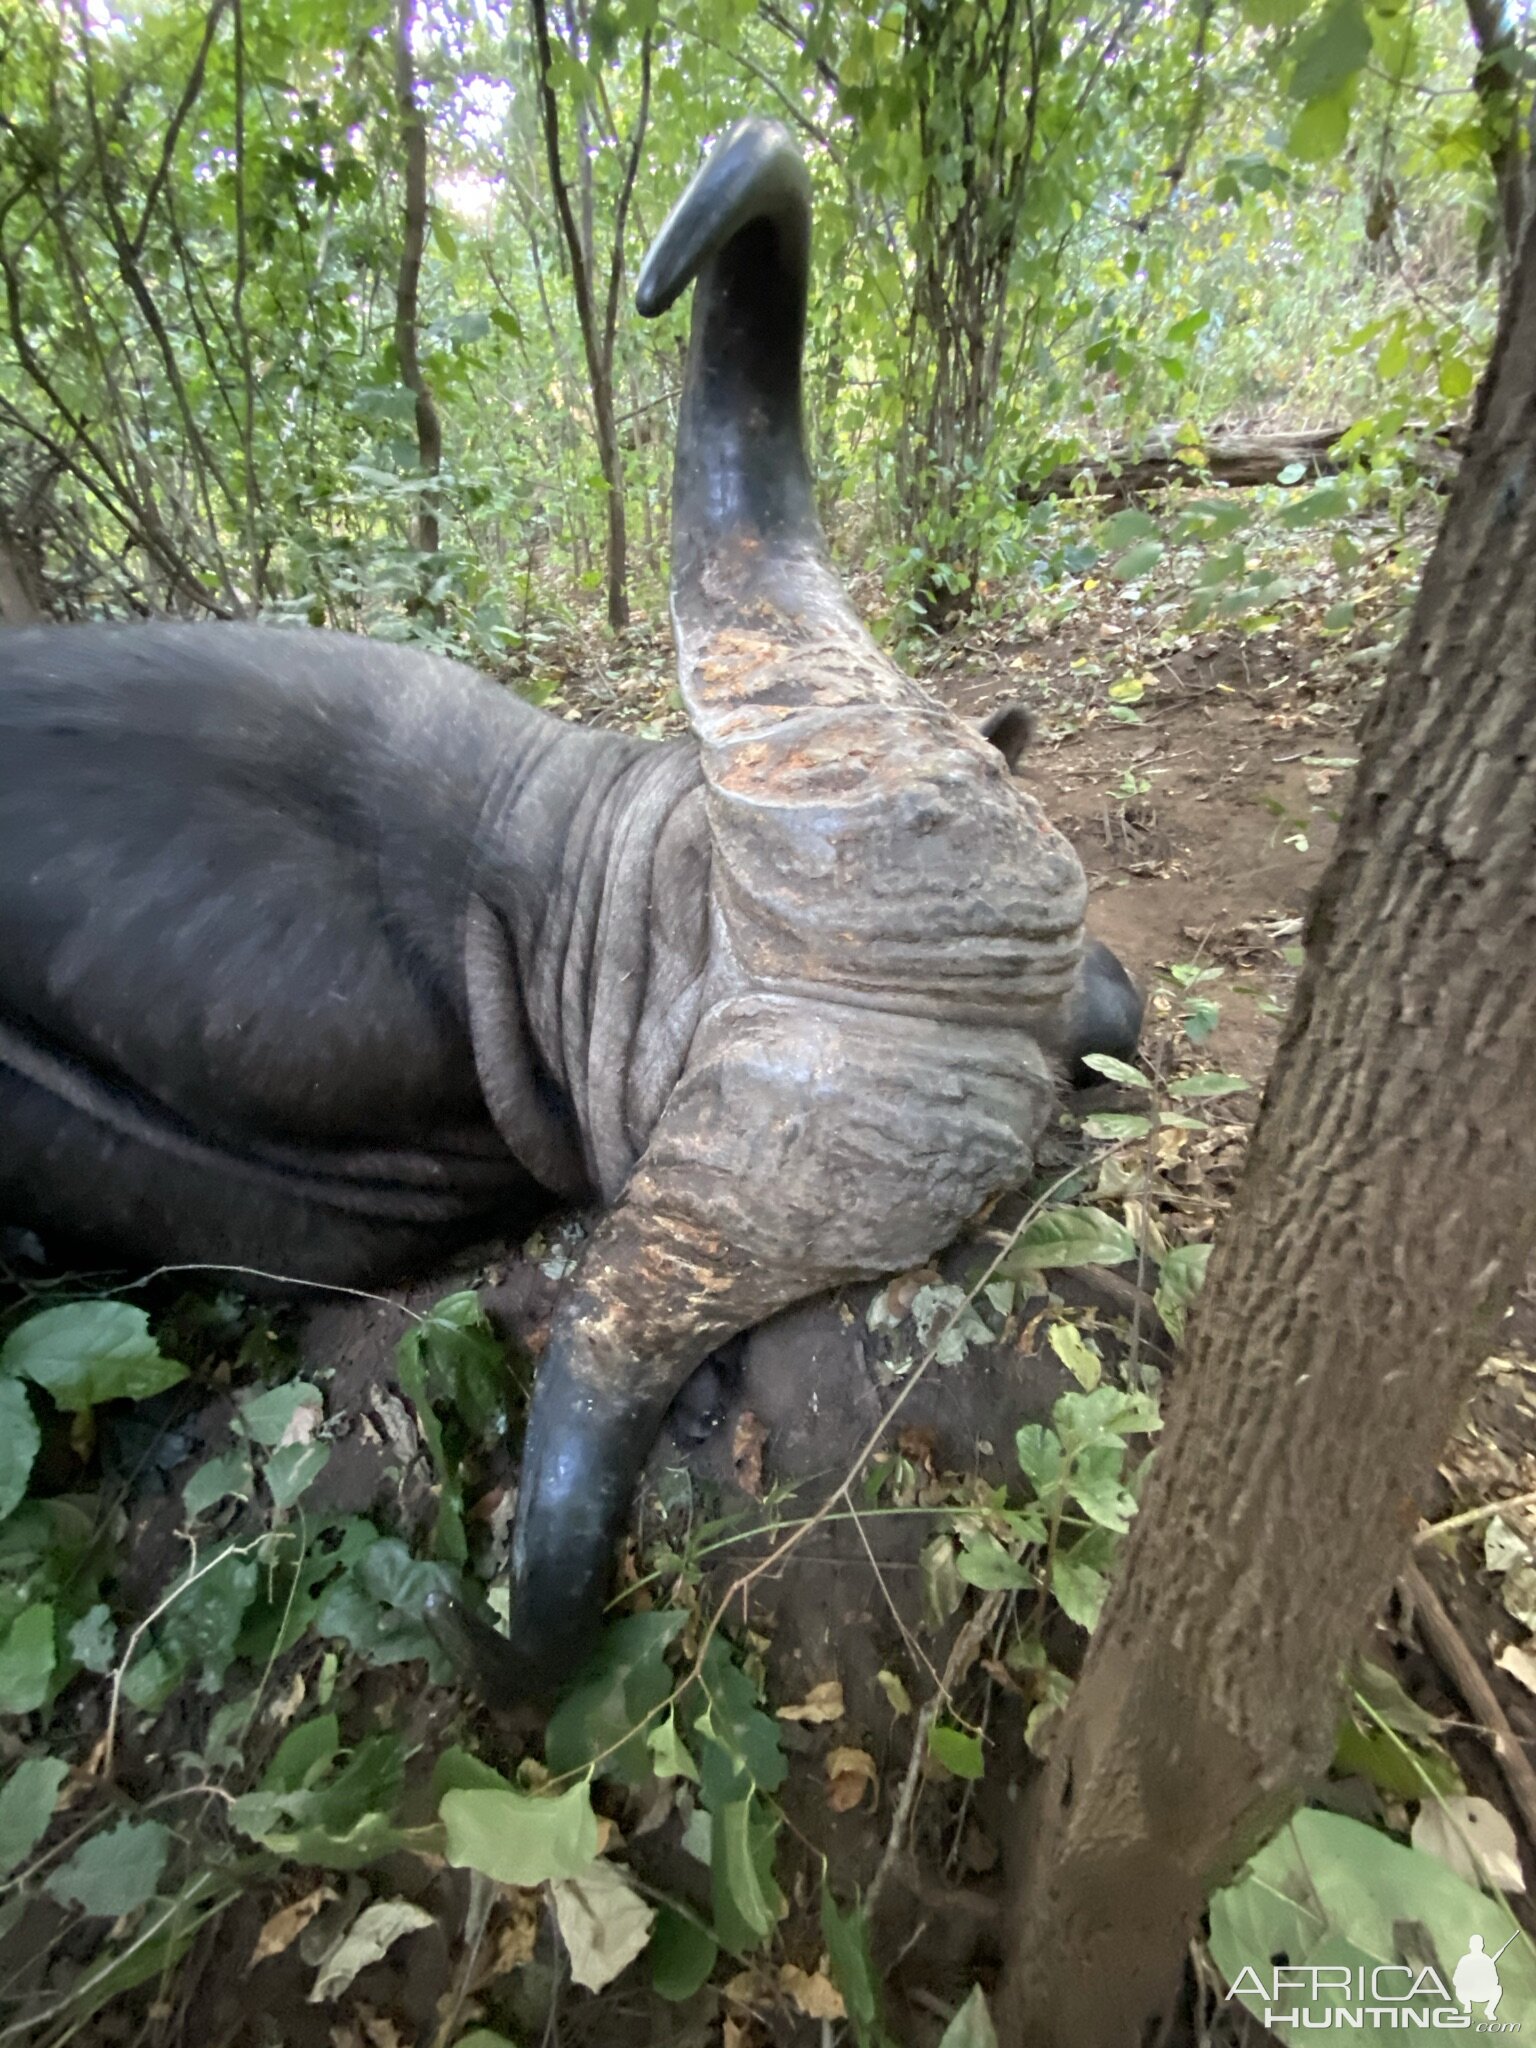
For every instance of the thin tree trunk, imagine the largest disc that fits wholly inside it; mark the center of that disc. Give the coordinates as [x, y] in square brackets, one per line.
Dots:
[1384, 1220]
[1497, 84]
[413, 134]
[610, 457]
[20, 604]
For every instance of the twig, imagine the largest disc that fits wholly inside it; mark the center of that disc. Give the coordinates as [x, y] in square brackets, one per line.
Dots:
[966, 1649]
[747, 1579]
[1472, 1515]
[744, 1581]
[969, 1793]
[1444, 1642]
[109, 1741]
[482, 1896]
[284, 1280]
[915, 1649]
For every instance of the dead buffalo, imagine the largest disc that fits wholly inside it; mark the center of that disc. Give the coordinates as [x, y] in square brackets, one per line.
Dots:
[325, 957]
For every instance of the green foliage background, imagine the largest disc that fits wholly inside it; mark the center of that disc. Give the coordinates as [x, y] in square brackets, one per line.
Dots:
[1039, 233]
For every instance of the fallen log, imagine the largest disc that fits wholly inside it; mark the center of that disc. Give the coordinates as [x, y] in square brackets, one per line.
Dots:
[1238, 460]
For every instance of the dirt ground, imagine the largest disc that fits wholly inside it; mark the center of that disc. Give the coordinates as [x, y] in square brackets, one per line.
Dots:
[1203, 819]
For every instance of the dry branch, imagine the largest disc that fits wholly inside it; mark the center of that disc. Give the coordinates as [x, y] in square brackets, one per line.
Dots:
[1238, 460]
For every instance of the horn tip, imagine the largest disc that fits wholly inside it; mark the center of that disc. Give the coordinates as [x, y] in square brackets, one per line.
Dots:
[756, 154]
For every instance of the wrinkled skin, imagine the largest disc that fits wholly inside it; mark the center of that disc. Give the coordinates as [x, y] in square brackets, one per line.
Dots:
[321, 957]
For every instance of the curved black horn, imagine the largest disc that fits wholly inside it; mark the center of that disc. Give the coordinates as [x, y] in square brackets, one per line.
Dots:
[743, 230]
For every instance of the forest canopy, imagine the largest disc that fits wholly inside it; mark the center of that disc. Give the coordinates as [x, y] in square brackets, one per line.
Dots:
[322, 310]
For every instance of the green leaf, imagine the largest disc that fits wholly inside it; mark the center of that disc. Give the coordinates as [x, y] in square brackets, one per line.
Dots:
[1292, 473]
[669, 1753]
[1455, 378]
[1079, 1354]
[27, 1660]
[1207, 1087]
[27, 1801]
[464, 1360]
[1114, 1070]
[1078, 1587]
[853, 1972]
[985, 1563]
[1330, 54]
[1185, 330]
[746, 1898]
[1393, 1765]
[1097, 1487]
[1181, 1279]
[1393, 359]
[267, 1418]
[216, 1479]
[895, 1692]
[200, 1626]
[114, 1871]
[1274, 13]
[293, 1468]
[522, 1838]
[457, 1770]
[304, 1755]
[150, 1680]
[1126, 527]
[1041, 1458]
[682, 1956]
[737, 1745]
[1137, 561]
[1108, 1414]
[1319, 132]
[20, 1441]
[378, 1605]
[1116, 1126]
[1328, 1887]
[88, 1352]
[1327, 501]
[1200, 1018]
[309, 1812]
[1070, 1237]
[93, 1639]
[957, 1750]
[612, 1703]
[972, 2025]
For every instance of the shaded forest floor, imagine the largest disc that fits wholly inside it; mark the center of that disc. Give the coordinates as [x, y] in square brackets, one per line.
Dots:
[1200, 785]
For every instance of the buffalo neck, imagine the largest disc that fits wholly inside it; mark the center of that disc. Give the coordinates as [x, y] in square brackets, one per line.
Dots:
[595, 860]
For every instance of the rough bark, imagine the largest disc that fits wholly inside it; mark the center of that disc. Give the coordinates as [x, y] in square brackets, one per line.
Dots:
[413, 135]
[1385, 1217]
[1238, 460]
[20, 600]
[1497, 84]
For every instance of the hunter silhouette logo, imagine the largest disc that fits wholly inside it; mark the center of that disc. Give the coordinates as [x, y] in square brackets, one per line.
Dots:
[1475, 1980]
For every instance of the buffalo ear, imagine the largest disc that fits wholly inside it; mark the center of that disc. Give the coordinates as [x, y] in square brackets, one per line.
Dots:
[1010, 728]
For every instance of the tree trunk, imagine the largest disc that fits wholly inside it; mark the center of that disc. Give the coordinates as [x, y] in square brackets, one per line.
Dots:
[1497, 84]
[1384, 1220]
[413, 135]
[20, 600]
[1239, 460]
[600, 371]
